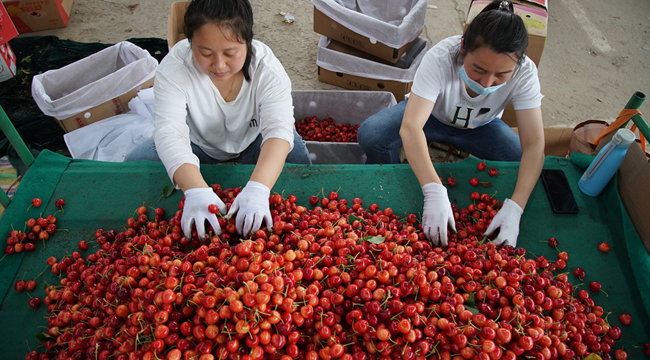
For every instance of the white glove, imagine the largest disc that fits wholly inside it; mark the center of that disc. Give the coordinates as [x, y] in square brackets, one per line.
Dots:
[195, 210]
[507, 220]
[437, 214]
[253, 206]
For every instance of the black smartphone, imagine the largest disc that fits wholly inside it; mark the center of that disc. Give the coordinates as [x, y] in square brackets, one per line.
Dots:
[559, 192]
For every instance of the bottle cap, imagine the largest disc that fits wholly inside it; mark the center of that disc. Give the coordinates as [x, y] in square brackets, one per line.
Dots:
[623, 137]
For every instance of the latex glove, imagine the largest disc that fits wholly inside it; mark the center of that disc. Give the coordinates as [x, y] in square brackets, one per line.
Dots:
[195, 211]
[252, 203]
[507, 220]
[437, 214]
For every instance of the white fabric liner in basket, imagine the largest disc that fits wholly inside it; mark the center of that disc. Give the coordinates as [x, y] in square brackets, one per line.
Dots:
[93, 80]
[337, 61]
[391, 22]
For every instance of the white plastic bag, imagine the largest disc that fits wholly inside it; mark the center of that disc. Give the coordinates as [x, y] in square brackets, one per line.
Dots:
[391, 22]
[349, 64]
[113, 138]
[93, 80]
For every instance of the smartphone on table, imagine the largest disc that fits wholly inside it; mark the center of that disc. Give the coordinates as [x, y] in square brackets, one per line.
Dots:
[558, 191]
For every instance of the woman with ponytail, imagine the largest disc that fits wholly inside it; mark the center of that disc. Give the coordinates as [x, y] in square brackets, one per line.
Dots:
[458, 95]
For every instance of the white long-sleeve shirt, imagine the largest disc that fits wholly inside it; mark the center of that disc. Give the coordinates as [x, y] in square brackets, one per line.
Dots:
[189, 108]
[437, 80]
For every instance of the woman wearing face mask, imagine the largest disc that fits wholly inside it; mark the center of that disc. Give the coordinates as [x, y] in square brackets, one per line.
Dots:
[221, 96]
[459, 92]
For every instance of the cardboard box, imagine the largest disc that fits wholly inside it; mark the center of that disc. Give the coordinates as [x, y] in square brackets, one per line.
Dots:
[343, 106]
[633, 180]
[535, 16]
[7, 28]
[175, 24]
[326, 26]
[7, 62]
[378, 81]
[352, 82]
[115, 106]
[556, 141]
[36, 15]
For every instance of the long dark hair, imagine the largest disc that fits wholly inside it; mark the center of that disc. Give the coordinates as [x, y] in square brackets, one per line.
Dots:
[235, 15]
[499, 29]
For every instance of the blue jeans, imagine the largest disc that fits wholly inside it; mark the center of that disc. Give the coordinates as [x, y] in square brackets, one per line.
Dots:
[298, 155]
[379, 137]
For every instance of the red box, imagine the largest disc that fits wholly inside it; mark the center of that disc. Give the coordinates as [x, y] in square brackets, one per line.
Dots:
[36, 15]
[7, 28]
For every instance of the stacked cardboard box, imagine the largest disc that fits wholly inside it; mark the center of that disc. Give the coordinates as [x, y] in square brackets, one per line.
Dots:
[360, 47]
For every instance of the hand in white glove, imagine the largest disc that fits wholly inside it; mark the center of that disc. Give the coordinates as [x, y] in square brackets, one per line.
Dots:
[507, 220]
[252, 203]
[437, 214]
[195, 211]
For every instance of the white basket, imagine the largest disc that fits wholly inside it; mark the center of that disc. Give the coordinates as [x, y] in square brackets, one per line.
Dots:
[343, 106]
[93, 80]
[391, 22]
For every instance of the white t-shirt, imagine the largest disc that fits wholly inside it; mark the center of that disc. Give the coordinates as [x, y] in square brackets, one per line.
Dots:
[437, 80]
[188, 107]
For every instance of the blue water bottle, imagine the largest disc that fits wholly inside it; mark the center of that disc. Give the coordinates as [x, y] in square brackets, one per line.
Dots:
[606, 163]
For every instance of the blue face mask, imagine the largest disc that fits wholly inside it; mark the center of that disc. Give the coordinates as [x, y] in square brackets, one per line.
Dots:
[475, 86]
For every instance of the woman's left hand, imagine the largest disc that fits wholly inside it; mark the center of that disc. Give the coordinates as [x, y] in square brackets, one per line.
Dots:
[507, 221]
[252, 206]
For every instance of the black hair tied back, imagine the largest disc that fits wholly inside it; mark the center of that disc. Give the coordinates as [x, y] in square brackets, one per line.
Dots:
[498, 28]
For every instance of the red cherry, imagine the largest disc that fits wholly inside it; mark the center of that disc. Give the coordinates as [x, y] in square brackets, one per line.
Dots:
[83, 245]
[603, 246]
[213, 208]
[51, 261]
[626, 319]
[481, 166]
[37, 202]
[579, 273]
[553, 242]
[620, 355]
[493, 171]
[35, 302]
[313, 200]
[595, 286]
[30, 285]
[451, 181]
[474, 181]
[19, 285]
[59, 203]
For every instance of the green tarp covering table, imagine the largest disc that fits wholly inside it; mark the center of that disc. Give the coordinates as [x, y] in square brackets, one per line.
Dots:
[104, 195]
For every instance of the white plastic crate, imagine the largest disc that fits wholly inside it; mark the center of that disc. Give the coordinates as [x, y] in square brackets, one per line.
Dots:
[343, 106]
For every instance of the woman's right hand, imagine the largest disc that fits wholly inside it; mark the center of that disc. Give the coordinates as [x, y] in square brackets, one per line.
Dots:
[437, 214]
[196, 211]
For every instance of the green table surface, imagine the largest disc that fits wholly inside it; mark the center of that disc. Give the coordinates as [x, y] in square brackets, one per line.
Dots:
[104, 195]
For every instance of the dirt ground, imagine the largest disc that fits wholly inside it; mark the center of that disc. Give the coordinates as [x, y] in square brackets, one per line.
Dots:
[596, 55]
